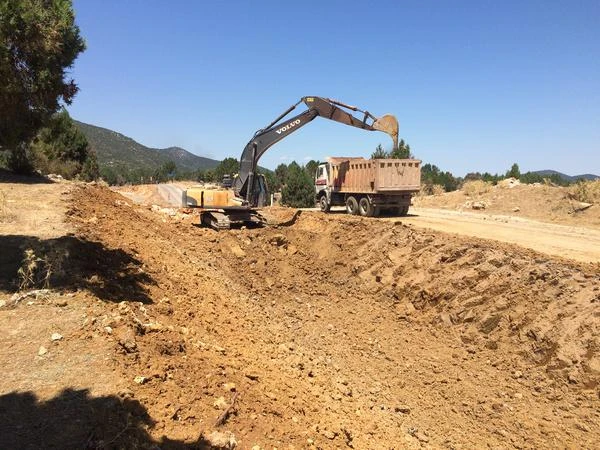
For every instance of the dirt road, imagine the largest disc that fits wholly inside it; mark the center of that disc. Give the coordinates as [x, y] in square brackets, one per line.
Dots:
[578, 243]
[337, 331]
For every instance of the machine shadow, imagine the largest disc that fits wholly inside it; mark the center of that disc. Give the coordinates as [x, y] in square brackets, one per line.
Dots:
[70, 263]
[74, 419]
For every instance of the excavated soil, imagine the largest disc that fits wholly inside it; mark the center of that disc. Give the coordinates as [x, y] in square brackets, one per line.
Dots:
[333, 331]
[541, 202]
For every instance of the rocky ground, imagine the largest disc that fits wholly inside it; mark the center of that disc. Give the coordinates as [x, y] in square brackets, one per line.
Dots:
[334, 331]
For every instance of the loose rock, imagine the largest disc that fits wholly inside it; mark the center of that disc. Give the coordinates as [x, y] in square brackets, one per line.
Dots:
[221, 440]
[56, 336]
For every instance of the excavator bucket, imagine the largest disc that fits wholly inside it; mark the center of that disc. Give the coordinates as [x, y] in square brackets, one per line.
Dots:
[388, 124]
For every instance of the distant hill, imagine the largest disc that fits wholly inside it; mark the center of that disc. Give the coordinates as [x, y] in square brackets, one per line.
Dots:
[569, 178]
[117, 150]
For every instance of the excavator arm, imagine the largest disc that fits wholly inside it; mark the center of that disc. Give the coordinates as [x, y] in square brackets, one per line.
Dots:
[246, 186]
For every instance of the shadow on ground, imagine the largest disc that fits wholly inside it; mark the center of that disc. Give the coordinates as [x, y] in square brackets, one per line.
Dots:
[7, 176]
[74, 419]
[71, 263]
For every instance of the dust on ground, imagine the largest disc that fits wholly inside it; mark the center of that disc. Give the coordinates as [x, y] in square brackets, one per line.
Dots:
[335, 331]
[537, 201]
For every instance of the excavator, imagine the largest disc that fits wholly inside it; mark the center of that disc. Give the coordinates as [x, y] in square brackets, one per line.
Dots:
[220, 209]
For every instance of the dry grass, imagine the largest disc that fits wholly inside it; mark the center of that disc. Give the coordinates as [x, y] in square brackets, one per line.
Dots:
[34, 271]
[431, 189]
[437, 189]
[476, 187]
[5, 213]
[586, 191]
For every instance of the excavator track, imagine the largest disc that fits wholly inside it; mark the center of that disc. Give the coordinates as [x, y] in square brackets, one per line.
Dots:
[216, 220]
[222, 219]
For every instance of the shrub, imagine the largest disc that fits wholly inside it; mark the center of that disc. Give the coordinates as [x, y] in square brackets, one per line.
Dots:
[476, 187]
[431, 189]
[586, 191]
[437, 189]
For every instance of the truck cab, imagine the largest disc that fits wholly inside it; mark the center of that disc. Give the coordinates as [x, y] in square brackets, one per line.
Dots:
[322, 190]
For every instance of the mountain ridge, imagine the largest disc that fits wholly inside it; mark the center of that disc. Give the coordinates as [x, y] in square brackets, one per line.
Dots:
[570, 178]
[116, 150]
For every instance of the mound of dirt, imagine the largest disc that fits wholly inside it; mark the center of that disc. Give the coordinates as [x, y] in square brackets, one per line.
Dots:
[535, 201]
[329, 331]
[338, 330]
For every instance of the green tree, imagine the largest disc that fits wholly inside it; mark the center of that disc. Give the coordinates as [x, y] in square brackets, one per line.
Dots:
[311, 168]
[166, 171]
[402, 152]
[281, 172]
[209, 176]
[61, 148]
[379, 153]
[229, 166]
[299, 190]
[431, 174]
[39, 42]
[514, 171]
[109, 175]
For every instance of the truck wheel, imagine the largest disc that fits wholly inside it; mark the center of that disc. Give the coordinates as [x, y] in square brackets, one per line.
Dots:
[403, 210]
[323, 204]
[351, 205]
[365, 207]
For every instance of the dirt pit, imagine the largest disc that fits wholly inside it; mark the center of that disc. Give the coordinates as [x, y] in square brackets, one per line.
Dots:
[338, 331]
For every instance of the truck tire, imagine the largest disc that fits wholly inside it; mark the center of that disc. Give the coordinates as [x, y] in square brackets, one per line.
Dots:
[324, 204]
[351, 205]
[402, 210]
[365, 207]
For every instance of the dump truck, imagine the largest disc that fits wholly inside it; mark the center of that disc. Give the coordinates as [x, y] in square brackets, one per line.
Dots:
[367, 186]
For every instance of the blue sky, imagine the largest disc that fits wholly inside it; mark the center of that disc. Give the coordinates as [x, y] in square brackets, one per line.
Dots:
[475, 85]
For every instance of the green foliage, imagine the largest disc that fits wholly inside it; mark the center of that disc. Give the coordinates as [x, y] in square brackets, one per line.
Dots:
[379, 153]
[281, 173]
[208, 175]
[229, 166]
[311, 168]
[167, 171]
[514, 171]
[19, 160]
[486, 176]
[431, 175]
[169, 168]
[402, 152]
[61, 148]
[39, 42]
[298, 191]
[530, 178]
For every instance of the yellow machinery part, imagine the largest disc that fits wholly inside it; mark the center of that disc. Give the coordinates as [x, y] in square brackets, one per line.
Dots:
[211, 198]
